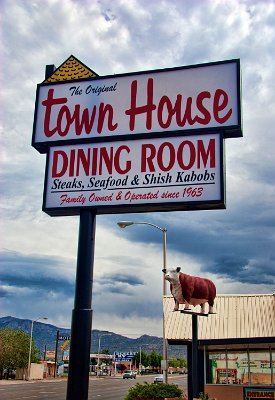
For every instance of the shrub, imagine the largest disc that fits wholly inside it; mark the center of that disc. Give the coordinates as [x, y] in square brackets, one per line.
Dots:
[203, 396]
[153, 391]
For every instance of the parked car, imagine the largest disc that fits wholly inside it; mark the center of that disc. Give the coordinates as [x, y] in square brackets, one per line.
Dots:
[9, 373]
[158, 379]
[129, 374]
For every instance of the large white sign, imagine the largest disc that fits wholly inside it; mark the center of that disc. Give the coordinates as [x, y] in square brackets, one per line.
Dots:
[136, 175]
[125, 356]
[201, 97]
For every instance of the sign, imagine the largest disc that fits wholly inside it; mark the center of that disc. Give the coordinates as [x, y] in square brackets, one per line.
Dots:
[50, 354]
[163, 364]
[66, 356]
[64, 337]
[178, 100]
[137, 142]
[101, 356]
[125, 356]
[259, 393]
[179, 172]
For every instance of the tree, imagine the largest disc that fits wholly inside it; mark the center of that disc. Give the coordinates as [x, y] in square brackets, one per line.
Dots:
[174, 363]
[155, 360]
[107, 362]
[177, 362]
[143, 357]
[14, 349]
[105, 351]
[183, 362]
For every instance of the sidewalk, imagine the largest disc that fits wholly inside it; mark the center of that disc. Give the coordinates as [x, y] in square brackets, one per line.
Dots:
[22, 381]
[51, 379]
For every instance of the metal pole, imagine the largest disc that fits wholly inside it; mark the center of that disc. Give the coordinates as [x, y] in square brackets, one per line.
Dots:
[124, 224]
[30, 350]
[190, 369]
[98, 350]
[139, 360]
[164, 344]
[195, 377]
[55, 355]
[78, 377]
[164, 259]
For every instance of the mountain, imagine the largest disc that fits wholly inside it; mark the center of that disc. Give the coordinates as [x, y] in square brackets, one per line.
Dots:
[44, 336]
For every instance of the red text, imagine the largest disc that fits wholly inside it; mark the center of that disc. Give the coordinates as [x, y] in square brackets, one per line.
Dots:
[182, 111]
[79, 120]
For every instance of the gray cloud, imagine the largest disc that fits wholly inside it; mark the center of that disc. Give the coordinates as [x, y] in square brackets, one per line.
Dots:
[128, 306]
[121, 284]
[130, 280]
[33, 272]
[259, 271]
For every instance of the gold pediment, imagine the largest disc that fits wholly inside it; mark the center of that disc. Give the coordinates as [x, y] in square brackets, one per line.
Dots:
[71, 69]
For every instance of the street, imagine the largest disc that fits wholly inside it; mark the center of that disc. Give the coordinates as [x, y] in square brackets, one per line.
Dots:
[104, 388]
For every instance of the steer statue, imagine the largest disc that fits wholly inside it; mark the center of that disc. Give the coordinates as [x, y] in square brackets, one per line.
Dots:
[187, 289]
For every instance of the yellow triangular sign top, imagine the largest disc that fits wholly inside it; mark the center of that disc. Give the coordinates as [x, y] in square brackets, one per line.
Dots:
[71, 69]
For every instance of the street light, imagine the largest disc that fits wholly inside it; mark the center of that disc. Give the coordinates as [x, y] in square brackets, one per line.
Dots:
[99, 339]
[30, 350]
[124, 224]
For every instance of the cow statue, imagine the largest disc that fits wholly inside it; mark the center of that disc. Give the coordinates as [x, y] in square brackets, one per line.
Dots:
[187, 289]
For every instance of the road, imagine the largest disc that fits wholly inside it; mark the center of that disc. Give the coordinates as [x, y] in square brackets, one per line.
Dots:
[99, 388]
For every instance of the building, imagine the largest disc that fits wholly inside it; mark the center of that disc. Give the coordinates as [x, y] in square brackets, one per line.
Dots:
[235, 347]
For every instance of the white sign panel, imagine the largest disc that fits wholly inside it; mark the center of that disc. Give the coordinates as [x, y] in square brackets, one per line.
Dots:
[161, 101]
[66, 356]
[136, 175]
[125, 356]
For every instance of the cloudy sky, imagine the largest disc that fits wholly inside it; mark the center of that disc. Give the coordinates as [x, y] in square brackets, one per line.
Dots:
[234, 247]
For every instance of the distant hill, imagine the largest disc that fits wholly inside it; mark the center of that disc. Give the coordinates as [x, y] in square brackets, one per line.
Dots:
[44, 335]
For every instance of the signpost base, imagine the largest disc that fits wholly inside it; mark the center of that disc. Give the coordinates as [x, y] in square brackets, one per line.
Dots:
[79, 364]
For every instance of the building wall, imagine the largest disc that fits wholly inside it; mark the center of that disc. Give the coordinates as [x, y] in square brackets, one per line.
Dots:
[221, 392]
[36, 372]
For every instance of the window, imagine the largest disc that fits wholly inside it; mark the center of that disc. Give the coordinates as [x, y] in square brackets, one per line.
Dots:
[240, 367]
[260, 368]
[238, 362]
[216, 368]
[273, 366]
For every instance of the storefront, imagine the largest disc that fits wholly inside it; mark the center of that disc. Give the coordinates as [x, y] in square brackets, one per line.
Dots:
[235, 346]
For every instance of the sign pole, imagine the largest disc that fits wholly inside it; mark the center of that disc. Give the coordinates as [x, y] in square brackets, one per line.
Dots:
[195, 355]
[56, 350]
[81, 326]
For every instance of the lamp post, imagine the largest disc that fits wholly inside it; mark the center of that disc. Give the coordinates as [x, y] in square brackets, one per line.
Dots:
[139, 360]
[99, 340]
[124, 224]
[30, 350]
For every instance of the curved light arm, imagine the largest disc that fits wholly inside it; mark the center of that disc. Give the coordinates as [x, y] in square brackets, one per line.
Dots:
[124, 224]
